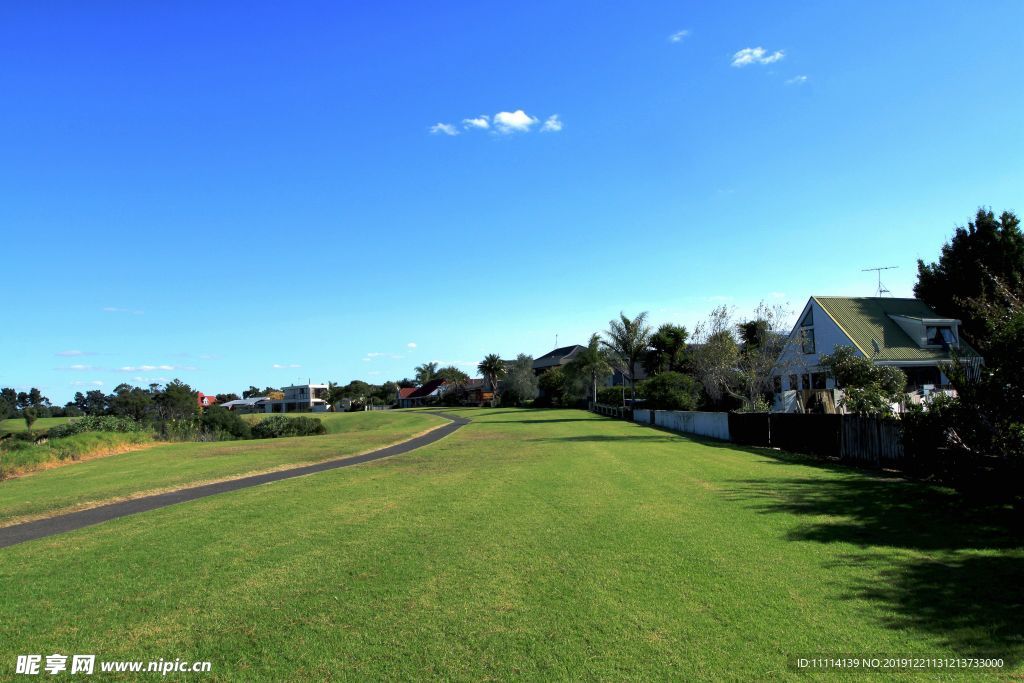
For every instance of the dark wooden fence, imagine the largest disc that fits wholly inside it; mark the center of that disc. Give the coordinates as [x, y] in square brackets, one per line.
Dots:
[860, 440]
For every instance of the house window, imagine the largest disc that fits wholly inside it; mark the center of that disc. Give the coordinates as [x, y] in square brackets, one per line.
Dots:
[818, 380]
[794, 383]
[940, 335]
[807, 332]
[777, 384]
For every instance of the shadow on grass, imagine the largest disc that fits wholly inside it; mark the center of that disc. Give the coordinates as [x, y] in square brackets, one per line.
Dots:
[539, 421]
[967, 591]
[608, 438]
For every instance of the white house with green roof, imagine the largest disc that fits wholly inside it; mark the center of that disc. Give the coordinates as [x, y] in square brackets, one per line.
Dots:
[905, 333]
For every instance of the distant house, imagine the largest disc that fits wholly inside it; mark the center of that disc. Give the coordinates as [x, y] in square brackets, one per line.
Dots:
[403, 395]
[206, 401]
[426, 394]
[556, 358]
[905, 333]
[478, 392]
[301, 398]
[256, 404]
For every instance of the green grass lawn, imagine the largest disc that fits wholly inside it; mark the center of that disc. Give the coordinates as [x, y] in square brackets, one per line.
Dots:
[17, 424]
[532, 545]
[180, 464]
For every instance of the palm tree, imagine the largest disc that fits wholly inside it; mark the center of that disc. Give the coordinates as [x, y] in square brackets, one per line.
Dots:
[492, 367]
[591, 364]
[628, 340]
[426, 372]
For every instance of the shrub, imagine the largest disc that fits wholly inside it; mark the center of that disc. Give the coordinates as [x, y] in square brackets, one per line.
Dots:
[96, 423]
[670, 391]
[224, 424]
[610, 396]
[279, 426]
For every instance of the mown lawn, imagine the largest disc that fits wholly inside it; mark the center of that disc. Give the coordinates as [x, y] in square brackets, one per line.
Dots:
[82, 484]
[532, 545]
[17, 424]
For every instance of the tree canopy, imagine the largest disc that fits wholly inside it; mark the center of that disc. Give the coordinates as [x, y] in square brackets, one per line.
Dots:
[628, 339]
[980, 258]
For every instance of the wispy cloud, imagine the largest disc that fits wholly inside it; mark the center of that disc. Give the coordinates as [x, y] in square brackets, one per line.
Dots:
[755, 55]
[678, 36]
[444, 129]
[482, 122]
[552, 125]
[380, 354]
[285, 366]
[117, 309]
[517, 121]
[151, 368]
[87, 383]
[79, 367]
[797, 80]
[411, 345]
[463, 363]
[75, 353]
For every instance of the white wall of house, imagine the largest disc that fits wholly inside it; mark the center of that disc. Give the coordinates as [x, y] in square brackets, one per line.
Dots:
[827, 335]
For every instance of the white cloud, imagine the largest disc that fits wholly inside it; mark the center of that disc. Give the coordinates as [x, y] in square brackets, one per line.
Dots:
[73, 353]
[443, 128]
[116, 309]
[481, 122]
[552, 125]
[797, 80]
[285, 366]
[150, 368]
[90, 383]
[678, 36]
[464, 363]
[755, 55]
[79, 366]
[517, 121]
[411, 345]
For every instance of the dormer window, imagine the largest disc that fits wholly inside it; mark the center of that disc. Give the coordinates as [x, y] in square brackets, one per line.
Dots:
[940, 335]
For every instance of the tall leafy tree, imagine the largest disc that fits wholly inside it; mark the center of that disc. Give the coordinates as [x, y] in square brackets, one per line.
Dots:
[668, 349]
[591, 365]
[492, 367]
[715, 355]
[177, 401]
[453, 376]
[628, 339]
[130, 401]
[520, 381]
[426, 372]
[981, 257]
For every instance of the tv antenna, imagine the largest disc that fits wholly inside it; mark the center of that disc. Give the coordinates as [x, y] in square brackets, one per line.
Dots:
[881, 288]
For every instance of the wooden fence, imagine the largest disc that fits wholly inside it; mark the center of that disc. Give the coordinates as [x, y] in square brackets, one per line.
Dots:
[857, 440]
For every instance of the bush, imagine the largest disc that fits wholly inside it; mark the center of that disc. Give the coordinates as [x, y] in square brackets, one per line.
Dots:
[224, 424]
[610, 395]
[670, 391]
[279, 426]
[96, 423]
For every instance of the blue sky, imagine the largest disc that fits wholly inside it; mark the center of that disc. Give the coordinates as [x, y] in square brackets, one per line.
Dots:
[252, 193]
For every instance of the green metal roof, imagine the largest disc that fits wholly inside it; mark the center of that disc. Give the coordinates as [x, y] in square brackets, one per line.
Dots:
[867, 323]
